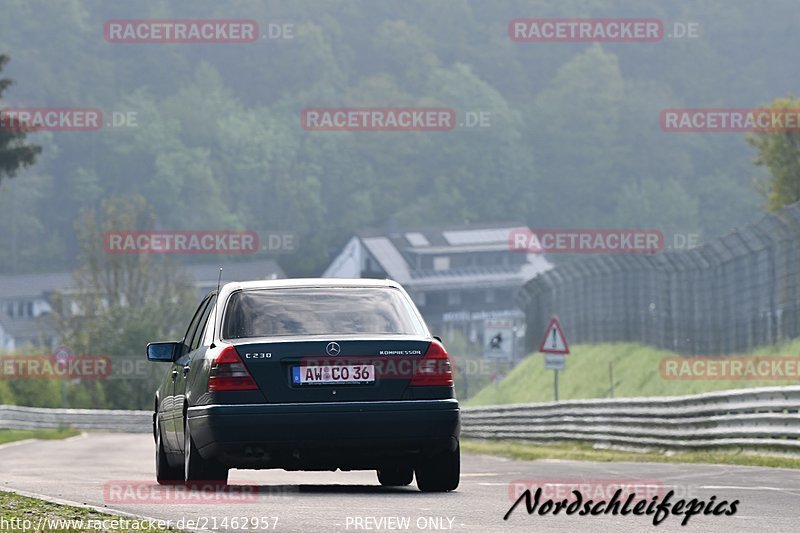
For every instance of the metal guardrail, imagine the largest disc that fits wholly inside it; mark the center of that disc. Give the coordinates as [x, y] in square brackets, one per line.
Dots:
[18, 417]
[763, 418]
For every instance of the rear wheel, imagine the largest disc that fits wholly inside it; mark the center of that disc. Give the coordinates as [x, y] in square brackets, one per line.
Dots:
[197, 471]
[396, 476]
[165, 474]
[440, 472]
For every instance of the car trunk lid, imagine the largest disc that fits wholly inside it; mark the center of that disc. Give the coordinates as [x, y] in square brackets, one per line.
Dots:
[328, 369]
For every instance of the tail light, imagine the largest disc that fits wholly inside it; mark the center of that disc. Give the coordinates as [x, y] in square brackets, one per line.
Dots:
[434, 368]
[228, 373]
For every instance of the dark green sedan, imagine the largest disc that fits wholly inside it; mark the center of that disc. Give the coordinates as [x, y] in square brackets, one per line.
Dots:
[307, 374]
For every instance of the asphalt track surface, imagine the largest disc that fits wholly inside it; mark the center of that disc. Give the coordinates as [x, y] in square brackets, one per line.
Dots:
[88, 469]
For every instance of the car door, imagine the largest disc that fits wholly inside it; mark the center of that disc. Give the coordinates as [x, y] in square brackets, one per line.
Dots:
[174, 407]
[193, 348]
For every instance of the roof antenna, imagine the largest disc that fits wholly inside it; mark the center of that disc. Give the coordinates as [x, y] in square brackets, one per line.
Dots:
[216, 305]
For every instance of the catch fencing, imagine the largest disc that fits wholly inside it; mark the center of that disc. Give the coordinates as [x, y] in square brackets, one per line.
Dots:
[726, 296]
[749, 418]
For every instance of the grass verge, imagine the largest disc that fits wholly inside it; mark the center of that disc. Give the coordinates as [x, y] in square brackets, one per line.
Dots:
[584, 452]
[630, 369]
[20, 513]
[11, 435]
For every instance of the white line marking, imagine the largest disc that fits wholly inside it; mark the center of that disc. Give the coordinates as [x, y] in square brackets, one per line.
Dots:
[734, 487]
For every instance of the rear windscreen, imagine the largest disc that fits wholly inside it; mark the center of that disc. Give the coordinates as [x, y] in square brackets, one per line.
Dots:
[319, 311]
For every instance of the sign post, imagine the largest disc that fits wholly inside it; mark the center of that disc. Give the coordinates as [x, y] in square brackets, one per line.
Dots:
[555, 384]
[63, 356]
[555, 348]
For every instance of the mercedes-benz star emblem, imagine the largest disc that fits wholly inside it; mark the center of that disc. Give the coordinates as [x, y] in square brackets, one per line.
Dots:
[333, 348]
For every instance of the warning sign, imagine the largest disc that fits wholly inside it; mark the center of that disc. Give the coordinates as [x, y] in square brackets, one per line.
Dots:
[554, 340]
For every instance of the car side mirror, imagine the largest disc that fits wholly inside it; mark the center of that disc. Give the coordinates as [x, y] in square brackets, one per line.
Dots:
[438, 338]
[162, 351]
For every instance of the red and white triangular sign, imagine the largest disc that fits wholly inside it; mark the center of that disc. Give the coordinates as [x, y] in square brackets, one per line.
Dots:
[554, 340]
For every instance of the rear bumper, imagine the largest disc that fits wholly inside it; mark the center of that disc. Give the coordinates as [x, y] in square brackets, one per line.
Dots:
[324, 435]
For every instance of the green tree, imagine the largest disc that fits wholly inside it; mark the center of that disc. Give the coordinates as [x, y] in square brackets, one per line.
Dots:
[119, 303]
[22, 224]
[779, 151]
[32, 391]
[574, 126]
[665, 206]
[14, 153]
[6, 396]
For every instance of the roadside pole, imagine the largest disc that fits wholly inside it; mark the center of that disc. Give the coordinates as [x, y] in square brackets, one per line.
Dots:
[611, 377]
[555, 382]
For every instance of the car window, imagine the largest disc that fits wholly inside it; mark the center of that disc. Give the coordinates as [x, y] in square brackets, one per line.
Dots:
[198, 336]
[320, 311]
[198, 315]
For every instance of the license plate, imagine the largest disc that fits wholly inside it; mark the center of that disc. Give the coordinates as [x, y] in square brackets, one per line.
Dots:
[323, 375]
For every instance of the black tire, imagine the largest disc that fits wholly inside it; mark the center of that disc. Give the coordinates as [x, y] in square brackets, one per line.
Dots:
[440, 473]
[165, 474]
[396, 476]
[198, 472]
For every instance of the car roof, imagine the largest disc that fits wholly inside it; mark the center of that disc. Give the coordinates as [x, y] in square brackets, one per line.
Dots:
[310, 282]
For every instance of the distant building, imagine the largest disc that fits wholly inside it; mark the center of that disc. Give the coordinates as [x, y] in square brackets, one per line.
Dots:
[462, 278]
[205, 275]
[25, 308]
[6, 339]
[25, 311]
